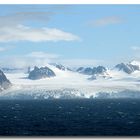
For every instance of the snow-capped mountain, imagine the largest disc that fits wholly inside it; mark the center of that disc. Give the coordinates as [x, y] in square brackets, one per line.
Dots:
[87, 71]
[103, 75]
[4, 82]
[127, 68]
[91, 71]
[135, 62]
[60, 66]
[39, 73]
[95, 82]
[95, 72]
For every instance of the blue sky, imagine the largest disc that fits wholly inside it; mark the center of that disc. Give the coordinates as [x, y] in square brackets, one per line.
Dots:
[87, 35]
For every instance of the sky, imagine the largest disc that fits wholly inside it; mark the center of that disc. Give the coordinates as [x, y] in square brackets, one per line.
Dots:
[73, 35]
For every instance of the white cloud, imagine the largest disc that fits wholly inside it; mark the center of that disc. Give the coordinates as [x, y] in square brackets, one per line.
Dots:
[22, 17]
[24, 33]
[135, 48]
[136, 52]
[31, 59]
[2, 49]
[5, 48]
[106, 21]
[81, 62]
[12, 27]
[42, 55]
[43, 58]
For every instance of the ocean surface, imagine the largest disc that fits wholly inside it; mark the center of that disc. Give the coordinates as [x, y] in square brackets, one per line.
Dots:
[79, 117]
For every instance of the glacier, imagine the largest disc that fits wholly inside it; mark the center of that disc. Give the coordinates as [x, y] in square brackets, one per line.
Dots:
[72, 85]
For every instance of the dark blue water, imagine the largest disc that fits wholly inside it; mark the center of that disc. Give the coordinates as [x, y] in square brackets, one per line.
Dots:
[97, 117]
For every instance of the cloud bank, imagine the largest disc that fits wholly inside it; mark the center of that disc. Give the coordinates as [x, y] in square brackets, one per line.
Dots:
[17, 26]
[106, 21]
[43, 58]
[135, 48]
[31, 59]
[25, 33]
[25, 17]
[2, 49]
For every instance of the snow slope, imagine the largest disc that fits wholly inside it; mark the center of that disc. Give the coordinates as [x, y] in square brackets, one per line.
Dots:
[68, 84]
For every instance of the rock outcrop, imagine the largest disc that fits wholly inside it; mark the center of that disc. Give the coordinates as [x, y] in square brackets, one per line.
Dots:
[4, 82]
[60, 66]
[92, 71]
[127, 68]
[86, 71]
[39, 73]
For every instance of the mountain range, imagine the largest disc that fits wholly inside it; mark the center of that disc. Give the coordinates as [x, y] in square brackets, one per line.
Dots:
[55, 78]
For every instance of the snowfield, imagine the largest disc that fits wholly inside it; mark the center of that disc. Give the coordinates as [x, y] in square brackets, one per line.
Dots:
[68, 84]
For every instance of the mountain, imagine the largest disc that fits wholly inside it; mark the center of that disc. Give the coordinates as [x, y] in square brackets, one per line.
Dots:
[95, 72]
[135, 62]
[85, 83]
[104, 75]
[127, 68]
[39, 73]
[99, 70]
[4, 82]
[92, 71]
[99, 73]
[60, 66]
[86, 71]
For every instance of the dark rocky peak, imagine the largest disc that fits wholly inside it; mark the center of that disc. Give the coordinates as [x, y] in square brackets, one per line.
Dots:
[127, 68]
[4, 82]
[99, 70]
[39, 73]
[92, 71]
[60, 66]
[80, 69]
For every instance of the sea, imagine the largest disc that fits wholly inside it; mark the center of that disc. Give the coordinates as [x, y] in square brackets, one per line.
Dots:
[70, 117]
